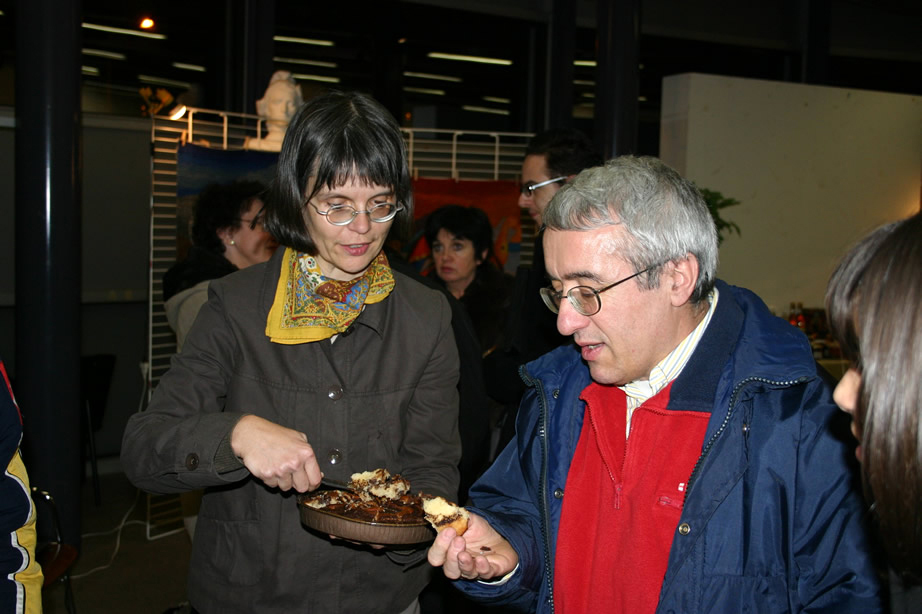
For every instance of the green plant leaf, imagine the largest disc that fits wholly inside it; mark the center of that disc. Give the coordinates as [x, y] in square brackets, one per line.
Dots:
[715, 202]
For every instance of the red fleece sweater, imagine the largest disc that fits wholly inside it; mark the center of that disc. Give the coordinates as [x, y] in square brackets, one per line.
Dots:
[622, 502]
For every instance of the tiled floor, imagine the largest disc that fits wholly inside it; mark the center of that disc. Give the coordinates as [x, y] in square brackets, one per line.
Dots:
[146, 576]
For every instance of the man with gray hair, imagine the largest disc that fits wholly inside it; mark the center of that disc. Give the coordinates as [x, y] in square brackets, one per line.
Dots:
[678, 456]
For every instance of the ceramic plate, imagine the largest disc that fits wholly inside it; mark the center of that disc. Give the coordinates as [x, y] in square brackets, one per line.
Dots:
[366, 532]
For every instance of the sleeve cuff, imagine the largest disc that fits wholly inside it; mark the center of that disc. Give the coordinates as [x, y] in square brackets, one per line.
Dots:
[502, 580]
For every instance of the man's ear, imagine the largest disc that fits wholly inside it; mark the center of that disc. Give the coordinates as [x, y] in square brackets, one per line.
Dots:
[680, 277]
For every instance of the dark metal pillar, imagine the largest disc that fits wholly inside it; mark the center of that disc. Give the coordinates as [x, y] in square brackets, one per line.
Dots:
[48, 182]
[814, 19]
[616, 111]
[248, 49]
[561, 52]
[386, 54]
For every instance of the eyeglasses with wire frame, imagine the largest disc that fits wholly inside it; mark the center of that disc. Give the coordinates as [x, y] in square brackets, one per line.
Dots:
[342, 215]
[529, 189]
[585, 300]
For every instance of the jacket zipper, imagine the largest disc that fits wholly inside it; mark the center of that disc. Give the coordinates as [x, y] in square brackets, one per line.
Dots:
[732, 406]
[542, 482]
[545, 508]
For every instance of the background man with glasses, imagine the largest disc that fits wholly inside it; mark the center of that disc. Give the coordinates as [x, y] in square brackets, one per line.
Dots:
[551, 159]
[678, 456]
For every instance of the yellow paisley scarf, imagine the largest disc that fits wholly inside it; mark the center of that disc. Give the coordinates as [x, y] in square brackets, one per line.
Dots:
[310, 307]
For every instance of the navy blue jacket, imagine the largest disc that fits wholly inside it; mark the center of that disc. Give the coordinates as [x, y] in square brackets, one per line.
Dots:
[772, 520]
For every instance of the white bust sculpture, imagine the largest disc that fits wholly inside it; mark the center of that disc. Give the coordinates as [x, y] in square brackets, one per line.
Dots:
[279, 103]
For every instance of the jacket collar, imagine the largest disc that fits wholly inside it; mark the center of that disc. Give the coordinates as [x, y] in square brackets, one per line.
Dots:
[694, 388]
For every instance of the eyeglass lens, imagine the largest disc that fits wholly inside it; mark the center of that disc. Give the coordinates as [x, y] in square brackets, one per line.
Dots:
[583, 298]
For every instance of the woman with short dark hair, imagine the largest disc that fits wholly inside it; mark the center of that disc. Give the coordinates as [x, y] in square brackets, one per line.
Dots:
[227, 235]
[321, 362]
[873, 301]
[461, 242]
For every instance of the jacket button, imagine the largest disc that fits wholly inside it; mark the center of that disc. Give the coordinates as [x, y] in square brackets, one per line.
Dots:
[556, 393]
[684, 529]
[335, 393]
[558, 493]
[192, 461]
[335, 456]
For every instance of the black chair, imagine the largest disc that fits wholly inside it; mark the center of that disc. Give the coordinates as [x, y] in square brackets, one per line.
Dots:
[95, 380]
[55, 557]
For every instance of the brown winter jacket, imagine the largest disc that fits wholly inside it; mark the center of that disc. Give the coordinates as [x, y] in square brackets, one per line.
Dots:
[383, 395]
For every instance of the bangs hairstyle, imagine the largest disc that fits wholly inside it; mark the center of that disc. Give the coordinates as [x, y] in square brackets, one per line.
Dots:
[663, 213]
[335, 138]
[872, 302]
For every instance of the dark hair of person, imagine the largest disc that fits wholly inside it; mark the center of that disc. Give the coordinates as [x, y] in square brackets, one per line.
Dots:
[222, 205]
[873, 301]
[567, 151]
[334, 138]
[465, 223]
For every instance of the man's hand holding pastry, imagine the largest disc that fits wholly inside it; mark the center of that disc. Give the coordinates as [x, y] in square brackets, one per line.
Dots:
[481, 554]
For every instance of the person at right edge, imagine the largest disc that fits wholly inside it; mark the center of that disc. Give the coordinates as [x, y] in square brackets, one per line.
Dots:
[678, 456]
[872, 303]
[552, 158]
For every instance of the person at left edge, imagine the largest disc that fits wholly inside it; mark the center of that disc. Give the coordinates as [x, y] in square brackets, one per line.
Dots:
[20, 575]
[322, 361]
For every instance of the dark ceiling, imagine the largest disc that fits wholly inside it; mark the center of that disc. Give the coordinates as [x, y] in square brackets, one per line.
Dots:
[380, 45]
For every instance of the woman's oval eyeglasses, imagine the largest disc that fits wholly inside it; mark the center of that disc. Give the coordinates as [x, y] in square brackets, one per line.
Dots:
[342, 215]
[584, 299]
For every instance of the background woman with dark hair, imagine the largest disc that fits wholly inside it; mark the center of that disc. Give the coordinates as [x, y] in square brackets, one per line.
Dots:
[873, 301]
[322, 361]
[461, 241]
[227, 235]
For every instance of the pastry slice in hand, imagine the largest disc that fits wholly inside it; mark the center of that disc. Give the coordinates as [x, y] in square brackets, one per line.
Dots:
[442, 514]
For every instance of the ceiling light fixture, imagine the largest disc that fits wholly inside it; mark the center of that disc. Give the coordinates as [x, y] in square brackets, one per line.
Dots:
[96, 26]
[477, 109]
[320, 78]
[426, 75]
[423, 90]
[99, 53]
[583, 82]
[92, 71]
[305, 62]
[497, 99]
[184, 66]
[147, 23]
[163, 81]
[584, 63]
[469, 58]
[302, 41]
